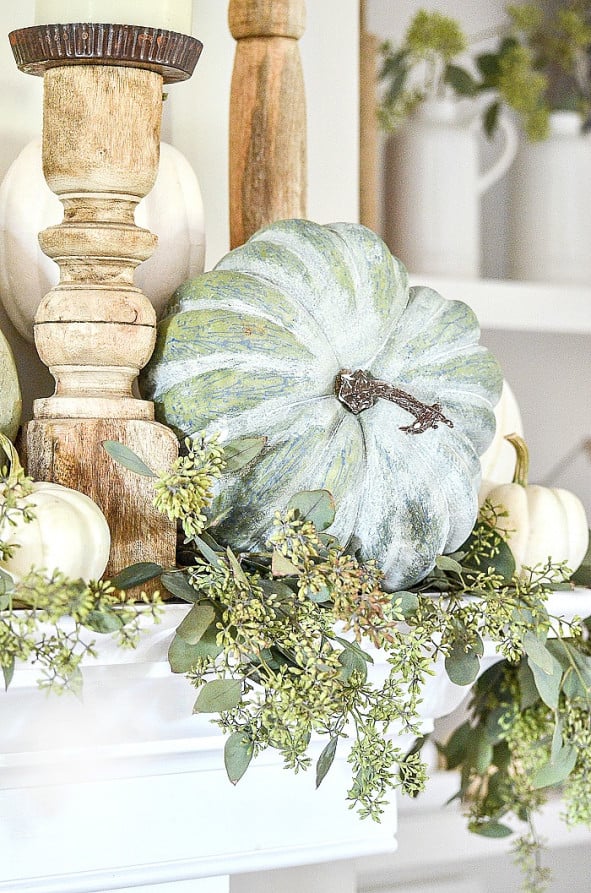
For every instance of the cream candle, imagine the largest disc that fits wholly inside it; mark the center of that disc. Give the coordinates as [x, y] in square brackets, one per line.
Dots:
[174, 15]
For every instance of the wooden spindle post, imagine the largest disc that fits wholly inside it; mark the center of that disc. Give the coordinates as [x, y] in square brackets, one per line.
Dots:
[267, 116]
[368, 124]
[95, 330]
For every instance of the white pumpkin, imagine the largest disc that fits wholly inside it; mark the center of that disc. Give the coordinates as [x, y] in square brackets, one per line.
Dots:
[173, 210]
[69, 532]
[540, 523]
[498, 462]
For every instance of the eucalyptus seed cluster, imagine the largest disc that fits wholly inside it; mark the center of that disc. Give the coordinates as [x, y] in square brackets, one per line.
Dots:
[283, 672]
[183, 491]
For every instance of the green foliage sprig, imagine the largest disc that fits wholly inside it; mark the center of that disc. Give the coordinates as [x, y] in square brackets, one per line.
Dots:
[278, 645]
[45, 620]
[539, 64]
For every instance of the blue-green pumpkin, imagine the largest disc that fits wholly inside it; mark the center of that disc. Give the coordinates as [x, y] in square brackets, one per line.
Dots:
[260, 346]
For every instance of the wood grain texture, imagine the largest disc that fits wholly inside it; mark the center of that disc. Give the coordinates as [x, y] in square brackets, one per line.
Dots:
[70, 452]
[368, 129]
[268, 175]
[96, 330]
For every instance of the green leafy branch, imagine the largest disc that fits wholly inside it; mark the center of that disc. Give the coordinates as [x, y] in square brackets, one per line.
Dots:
[264, 643]
[540, 63]
[45, 619]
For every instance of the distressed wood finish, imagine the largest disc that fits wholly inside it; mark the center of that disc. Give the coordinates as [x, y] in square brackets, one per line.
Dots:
[368, 124]
[70, 452]
[267, 116]
[95, 330]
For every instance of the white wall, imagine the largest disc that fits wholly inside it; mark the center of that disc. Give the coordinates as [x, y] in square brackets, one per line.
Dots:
[196, 121]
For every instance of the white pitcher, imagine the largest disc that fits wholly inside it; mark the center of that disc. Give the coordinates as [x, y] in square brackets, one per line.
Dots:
[550, 205]
[433, 188]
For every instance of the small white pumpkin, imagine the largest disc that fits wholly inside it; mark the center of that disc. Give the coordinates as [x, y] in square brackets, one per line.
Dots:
[173, 210]
[69, 532]
[540, 522]
[498, 462]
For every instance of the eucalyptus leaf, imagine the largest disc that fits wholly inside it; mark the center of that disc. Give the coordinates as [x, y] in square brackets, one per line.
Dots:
[317, 506]
[218, 695]
[462, 665]
[352, 663]
[177, 584]
[279, 589]
[182, 656]
[208, 553]
[405, 603]
[8, 672]
[354, 646]
[491, 829]
[241, 452]
[456, 747]
[238, 753]
[547, 684]
[236, 568]
[325, 760]
[136, 574]
[194, 625]
[127, 458]
[557, 740]
[321, 596]
[282, 566]
[445, 563]
[529, 693]
[481, 752]
[103, 622]
[538, 653]
[556, 770]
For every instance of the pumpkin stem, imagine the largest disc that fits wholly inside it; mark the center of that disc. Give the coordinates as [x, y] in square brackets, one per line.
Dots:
[521, 473]
[359, 390]
[14, 464]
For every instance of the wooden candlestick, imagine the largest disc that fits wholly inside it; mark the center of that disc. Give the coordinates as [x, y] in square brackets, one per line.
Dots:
[267, 115]
[95, 330]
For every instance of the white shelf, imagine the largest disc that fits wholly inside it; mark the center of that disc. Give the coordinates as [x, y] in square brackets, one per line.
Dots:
[519, 306]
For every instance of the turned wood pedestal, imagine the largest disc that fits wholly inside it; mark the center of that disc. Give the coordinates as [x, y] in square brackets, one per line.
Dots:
[95, 330]
[267, 116]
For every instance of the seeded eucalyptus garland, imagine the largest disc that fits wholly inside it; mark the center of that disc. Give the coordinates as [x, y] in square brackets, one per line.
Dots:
[277, 644]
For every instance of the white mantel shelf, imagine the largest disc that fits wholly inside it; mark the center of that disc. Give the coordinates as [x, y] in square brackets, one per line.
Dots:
[126, 789]
[519, 306]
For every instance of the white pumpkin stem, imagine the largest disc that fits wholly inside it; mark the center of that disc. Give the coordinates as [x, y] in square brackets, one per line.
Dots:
[521, 473]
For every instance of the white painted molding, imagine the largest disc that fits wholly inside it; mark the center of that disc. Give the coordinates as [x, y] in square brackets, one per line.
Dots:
[127, 789]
